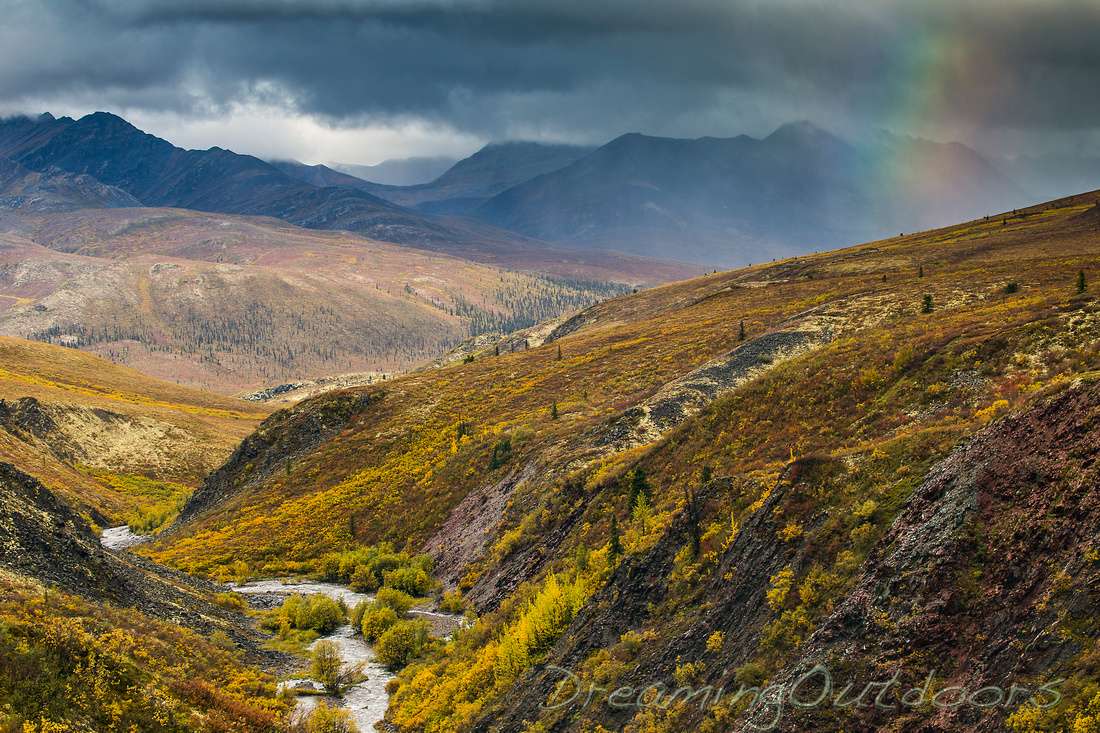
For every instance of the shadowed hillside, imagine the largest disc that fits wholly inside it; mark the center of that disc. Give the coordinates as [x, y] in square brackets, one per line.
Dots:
[741, 200]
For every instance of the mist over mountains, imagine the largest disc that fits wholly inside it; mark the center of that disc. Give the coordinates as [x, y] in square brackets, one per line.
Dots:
[722, 201]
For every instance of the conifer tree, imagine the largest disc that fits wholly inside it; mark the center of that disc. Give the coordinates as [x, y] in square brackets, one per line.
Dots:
[741, 335]
[554, 410]
[637, 484]
[926, 303]
[1082, 283]
[616, 544]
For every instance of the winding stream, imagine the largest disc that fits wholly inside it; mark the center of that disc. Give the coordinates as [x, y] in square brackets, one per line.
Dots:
[368, 700]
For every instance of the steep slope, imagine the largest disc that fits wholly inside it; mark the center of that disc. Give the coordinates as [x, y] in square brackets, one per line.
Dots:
[809, 471]
[740, 200]
[94, 640]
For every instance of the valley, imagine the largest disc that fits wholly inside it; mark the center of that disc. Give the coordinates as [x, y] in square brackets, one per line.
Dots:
[704, 503]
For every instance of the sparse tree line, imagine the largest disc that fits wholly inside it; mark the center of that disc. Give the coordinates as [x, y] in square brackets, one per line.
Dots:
[282, 341]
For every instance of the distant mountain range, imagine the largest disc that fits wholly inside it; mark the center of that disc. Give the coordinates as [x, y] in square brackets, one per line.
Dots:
[728, 201]
[158, 174]
[741, 200]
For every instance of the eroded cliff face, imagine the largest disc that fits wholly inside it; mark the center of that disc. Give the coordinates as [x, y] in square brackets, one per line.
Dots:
[975, 610]
[987, 579]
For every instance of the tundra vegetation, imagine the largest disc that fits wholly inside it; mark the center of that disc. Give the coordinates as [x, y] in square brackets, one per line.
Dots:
[622, 559]
[74, 665]
[833, 443]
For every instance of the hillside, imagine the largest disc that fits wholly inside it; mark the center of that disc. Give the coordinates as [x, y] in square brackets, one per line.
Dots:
[232, 304]
[94, 640]
[891, 470]
[55, 190]
[111, 441]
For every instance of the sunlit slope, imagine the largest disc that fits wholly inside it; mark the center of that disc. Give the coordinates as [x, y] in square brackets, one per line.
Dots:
[233, 304]
[399, 462]
[73, 420]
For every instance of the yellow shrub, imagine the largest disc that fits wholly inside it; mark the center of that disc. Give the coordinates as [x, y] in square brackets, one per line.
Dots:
[781, 585]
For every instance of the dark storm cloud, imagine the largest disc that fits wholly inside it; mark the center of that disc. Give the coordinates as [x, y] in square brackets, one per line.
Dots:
[597, 67]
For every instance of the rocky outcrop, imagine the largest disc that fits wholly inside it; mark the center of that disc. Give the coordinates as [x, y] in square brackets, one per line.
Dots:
[681, 398]
[984, 571]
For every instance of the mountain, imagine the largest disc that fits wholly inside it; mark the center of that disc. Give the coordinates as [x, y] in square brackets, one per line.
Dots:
[730, 201]
[740, 200]
[491, 170]
[316, 175]
[1053, 175]
[399, 171]
[156, 173]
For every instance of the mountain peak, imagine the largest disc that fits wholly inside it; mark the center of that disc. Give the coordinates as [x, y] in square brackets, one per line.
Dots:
[800, 131]
[108, 120]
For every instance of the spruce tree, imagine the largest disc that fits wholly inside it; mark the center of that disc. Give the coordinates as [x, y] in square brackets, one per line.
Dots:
[554, 410]
[1082, 283]
[741, 335]
[616, 544]
[926, 304]
[637, 485]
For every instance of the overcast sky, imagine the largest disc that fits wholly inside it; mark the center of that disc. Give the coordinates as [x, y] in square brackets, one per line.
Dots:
[360, 81]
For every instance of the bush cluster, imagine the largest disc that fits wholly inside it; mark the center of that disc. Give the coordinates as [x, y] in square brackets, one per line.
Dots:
[369, 568]
[316, 612]
[401, 642]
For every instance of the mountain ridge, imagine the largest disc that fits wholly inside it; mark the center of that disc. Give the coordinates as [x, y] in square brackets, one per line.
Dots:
[739, 200]
[159, 174]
